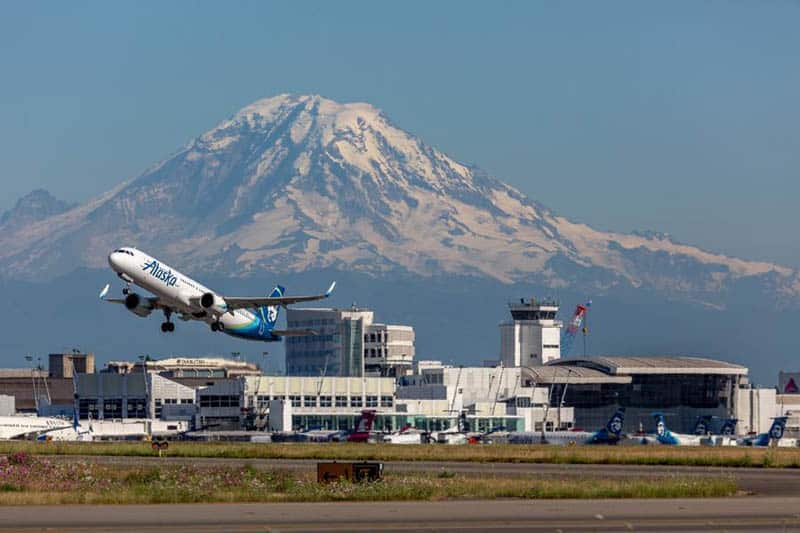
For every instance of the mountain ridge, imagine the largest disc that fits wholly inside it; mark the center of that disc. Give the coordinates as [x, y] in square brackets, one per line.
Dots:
[299, 182]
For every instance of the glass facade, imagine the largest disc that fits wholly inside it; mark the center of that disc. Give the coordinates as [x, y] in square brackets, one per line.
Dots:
[395, 422]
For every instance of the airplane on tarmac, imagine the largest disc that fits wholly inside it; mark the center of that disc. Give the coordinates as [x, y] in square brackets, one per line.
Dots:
[700, 435]
[43, 428]
[610, 434]
[775, 434]
[250, 318]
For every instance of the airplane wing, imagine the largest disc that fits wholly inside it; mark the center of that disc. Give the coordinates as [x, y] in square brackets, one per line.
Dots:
[249, 303]
[294, 332]
[154, 302]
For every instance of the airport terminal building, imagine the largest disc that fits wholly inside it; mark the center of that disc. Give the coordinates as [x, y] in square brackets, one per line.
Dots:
[356, 364]
[682, 388]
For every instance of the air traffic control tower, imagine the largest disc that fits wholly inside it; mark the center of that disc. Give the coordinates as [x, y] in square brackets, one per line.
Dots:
[532, 336]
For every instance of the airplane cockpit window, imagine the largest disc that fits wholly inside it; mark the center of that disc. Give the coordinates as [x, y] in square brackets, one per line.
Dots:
[124, 251]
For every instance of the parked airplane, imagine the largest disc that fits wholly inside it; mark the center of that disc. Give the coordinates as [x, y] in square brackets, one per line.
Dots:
[775, 434]
[610, 434]
[75, 432]
[42, 428]
[21, 426]
[703, 426]
[363, 431]
[248, 318]
[664, 435]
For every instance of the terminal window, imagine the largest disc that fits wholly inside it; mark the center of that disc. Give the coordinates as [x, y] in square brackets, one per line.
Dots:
[372, 401]
[324, 401]
[341, 401]
[263, 401]
[310, 401]
[387, 401]
[136, 409]
[355, 401]
[216, 401]
[112, 409]
[295, 401]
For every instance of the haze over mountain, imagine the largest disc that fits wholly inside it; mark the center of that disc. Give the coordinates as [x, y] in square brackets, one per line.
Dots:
[294, 183]
[301, 184]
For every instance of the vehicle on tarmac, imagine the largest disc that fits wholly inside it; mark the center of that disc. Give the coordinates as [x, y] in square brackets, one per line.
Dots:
[251, 318]
[610, 434]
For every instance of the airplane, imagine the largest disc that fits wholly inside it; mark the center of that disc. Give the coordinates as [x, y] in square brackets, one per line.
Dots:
[363, 431]
[43, 428]
[75, 432]
[700, 435]
[610, 434]
[775, 434]
[22, 426]
[251, 318]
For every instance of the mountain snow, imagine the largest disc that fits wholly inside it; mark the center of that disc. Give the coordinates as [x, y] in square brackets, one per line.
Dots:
[300, 182]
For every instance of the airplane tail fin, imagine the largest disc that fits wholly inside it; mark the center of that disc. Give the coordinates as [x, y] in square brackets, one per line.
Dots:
[728, 428]
[778, 427]
[701, 427]
[364, 424]
[614, 426]
[269, 313]
[661, 424]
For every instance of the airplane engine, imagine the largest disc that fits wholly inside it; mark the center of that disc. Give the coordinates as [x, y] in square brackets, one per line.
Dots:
[212, 302]
[138, 305]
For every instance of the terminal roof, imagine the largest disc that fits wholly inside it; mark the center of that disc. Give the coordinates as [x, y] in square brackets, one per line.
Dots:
[550, 374]
[623, 365]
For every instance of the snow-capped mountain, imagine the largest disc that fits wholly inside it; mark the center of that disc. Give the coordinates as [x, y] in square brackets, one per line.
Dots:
[296, 183]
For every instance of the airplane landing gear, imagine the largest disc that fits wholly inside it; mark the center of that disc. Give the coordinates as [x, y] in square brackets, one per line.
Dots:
[167, 326]
[217, 326]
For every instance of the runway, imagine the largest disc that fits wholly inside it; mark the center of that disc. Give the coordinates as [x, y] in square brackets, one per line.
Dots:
[754, 481]
[743, 514]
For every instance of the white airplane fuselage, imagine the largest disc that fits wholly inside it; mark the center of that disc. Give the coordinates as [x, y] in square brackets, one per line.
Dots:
[17, 427]
[182, 294]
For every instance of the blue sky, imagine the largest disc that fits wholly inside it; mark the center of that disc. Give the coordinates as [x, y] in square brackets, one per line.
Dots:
[680, 117]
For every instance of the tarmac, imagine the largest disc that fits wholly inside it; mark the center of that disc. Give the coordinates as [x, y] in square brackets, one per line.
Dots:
[723, 514]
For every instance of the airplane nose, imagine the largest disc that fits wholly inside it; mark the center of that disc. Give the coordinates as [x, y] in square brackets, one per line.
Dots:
[113, 260]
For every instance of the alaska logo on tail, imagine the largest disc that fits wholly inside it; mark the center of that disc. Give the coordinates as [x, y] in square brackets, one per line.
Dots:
[775, 432]
[269, 313]
[703, 425]
[613, 430]
[663, 434]
[728, 428]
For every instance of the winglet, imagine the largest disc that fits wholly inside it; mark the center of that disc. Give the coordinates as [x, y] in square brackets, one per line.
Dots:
[105, 291]
[330, 289]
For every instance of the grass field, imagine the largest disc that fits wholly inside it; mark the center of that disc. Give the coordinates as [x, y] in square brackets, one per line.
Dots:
[29, 480]
[640, 455]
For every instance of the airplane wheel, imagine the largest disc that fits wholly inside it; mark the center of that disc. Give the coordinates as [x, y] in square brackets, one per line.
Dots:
[214, 326]
[164, 327]
[170, 326]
